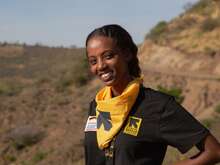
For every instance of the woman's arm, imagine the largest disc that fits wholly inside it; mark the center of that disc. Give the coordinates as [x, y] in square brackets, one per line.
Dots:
[209, 156]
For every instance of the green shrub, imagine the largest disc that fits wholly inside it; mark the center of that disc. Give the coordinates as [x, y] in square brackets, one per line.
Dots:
[209, 51]
[184, 23]
[217, 108]
[64, 81]
[194, 45]
[207, 123]
[157, 31]
[24, 163]
[39, 156]
[81, 72]
[210, 24]
[82, 78]
[43, 80]
[9, 89]
[198, 7]
[10, 158]
[175, 92]
[78, 75]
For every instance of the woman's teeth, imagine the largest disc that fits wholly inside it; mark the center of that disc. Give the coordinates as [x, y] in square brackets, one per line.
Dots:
[106, 75]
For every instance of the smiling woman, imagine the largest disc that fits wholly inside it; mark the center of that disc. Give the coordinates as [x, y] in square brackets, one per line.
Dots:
[108, 63]
[113, 58]
[129, 124]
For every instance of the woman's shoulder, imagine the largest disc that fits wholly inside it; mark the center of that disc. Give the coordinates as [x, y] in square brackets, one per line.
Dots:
[156, 95]
[92, 107]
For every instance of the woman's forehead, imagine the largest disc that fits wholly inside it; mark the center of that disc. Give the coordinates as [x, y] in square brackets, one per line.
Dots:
[94, 42]
[101, 41]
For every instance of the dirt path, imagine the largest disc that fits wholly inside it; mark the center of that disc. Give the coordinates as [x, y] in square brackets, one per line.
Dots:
[191, 75]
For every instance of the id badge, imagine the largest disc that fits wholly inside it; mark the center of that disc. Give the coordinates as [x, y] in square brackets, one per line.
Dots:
[91, 124]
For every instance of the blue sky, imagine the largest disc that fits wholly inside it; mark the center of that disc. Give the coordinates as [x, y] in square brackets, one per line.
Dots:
[68, 22]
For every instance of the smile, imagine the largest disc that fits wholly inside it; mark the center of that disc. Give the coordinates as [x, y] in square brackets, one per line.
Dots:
[106, 76]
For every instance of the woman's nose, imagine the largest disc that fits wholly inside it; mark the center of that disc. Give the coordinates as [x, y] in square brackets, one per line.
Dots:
[101, 64]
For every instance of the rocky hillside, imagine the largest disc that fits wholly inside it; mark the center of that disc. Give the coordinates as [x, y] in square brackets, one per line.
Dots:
[184, 53]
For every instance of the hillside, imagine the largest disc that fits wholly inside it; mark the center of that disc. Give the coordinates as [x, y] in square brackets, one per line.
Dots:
[45, 91]
[176, 56]
[42, 114]
[194, 32]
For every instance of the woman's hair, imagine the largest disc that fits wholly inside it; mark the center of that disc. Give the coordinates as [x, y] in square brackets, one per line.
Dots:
[123, 41]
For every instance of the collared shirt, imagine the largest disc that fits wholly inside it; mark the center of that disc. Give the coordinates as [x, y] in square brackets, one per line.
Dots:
[155, 121]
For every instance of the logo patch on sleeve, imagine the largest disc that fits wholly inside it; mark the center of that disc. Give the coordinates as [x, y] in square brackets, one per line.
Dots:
[91, 124]
[132, 126]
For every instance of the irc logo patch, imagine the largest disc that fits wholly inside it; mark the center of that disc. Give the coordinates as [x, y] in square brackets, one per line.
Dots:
[132, 126]
[105, 119]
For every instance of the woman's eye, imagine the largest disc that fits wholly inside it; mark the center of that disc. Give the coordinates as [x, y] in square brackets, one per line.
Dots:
[92, 61]
[108, 56]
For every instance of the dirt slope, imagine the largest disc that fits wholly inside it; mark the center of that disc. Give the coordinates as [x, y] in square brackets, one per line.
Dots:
[184, 53]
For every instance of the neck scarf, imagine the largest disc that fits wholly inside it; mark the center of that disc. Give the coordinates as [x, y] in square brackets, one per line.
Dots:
[111, 112]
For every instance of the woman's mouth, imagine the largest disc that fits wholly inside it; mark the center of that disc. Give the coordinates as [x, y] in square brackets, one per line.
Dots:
[106, 76]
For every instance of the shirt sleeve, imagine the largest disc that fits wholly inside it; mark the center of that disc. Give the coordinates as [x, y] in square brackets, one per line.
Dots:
[179, 128]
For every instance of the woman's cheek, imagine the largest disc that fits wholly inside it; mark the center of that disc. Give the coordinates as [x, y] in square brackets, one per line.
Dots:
[92, 70]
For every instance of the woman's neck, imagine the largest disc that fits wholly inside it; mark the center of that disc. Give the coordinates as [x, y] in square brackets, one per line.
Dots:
[117, 90]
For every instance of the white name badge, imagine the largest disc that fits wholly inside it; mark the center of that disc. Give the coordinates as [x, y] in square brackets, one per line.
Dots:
[91, 124]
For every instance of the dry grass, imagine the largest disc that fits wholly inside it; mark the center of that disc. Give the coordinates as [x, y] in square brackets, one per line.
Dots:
[39, 86]
[194, 32]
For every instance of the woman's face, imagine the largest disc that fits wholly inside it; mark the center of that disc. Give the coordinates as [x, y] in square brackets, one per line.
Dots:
[108, 62]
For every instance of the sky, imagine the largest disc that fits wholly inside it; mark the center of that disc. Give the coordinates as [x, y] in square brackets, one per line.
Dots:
[68, 22]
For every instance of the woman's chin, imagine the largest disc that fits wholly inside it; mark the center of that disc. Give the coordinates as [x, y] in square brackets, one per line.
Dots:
[109, 82]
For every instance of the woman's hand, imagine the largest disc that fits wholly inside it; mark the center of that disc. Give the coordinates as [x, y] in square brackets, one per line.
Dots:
[209, 156]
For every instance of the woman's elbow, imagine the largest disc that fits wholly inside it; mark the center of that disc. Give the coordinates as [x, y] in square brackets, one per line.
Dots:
[218, 154]
[212, 149]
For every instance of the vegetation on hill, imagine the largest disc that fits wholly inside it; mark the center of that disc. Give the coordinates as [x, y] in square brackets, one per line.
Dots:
[194, 32]
[28, 65]
[175, 92]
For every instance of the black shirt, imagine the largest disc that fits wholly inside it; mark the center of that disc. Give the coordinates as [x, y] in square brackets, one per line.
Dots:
[158, 121]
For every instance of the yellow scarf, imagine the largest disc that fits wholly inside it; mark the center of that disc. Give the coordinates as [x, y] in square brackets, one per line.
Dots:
[112, 112]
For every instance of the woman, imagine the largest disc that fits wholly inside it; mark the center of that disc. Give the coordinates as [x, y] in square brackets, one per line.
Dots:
[129, 124]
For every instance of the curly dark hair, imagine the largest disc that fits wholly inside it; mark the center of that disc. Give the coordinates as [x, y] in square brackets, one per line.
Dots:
[123, 41]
